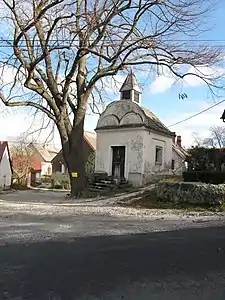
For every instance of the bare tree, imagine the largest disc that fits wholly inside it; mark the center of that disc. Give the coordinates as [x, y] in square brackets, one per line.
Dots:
[22, 160]
[216, 138]
[62, 50]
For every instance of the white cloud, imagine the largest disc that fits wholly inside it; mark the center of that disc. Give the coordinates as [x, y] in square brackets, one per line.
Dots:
[161, 84]
[209, 73]
[199, 124]
[166, 79]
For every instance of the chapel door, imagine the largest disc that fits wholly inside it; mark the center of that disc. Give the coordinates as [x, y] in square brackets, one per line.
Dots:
[118, 161]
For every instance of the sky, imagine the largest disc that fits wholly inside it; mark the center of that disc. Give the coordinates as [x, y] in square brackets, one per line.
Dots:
[160, 94]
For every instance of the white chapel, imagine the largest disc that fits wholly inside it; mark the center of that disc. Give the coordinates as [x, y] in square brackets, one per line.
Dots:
[132, 143]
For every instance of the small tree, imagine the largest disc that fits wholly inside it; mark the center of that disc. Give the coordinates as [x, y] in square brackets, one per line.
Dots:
[22, 161]
[62, 50]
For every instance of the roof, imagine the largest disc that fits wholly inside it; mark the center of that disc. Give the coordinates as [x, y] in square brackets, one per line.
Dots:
[91, 139]
[180, 151]
[130, 83]
[154, 123]
[33, 162]
[47, 153]
[3, 146]
[127, 114]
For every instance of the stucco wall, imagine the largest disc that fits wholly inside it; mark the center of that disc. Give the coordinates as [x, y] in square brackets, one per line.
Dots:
[152, 140]
[139, 156]
[5, 171]
[45, 168]
[132, 139]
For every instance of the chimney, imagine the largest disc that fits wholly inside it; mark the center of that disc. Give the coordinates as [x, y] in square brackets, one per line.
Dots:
[174, 137]
[179, 140]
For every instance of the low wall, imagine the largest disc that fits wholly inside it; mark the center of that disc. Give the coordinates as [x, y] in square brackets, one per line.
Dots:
[191, 192]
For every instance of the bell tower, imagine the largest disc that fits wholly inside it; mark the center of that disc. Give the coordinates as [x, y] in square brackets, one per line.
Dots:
[130, 90]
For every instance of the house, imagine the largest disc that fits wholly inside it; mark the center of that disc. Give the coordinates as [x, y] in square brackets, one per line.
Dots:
[132, 143]
[27, 169]
[179, 155]
[5, 166]
[89, 146]
[45, 155]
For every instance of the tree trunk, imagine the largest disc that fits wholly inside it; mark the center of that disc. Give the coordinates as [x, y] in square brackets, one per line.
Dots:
[74, 159]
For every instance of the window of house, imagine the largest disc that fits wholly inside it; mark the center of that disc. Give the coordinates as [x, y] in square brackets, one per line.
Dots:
[136, 96]
[126, 94]
[173, 164]
[158, 155]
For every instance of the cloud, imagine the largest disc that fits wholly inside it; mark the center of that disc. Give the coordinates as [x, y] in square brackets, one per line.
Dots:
[167, 79]
[161, 84]
[209, 73]
[199, 124]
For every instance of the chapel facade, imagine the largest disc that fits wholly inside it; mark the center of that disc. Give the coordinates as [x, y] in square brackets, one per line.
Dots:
[132, 143]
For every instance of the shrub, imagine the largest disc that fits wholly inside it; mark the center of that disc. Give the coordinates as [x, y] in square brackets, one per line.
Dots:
[204, 176]
[192, 192]
[61, 181]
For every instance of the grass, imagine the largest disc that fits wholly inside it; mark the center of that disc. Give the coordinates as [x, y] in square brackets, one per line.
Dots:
[150, 200]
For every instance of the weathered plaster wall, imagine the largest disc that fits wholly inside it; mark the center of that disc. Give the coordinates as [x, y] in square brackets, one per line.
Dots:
[121, 113]
[140, 143]
[152, 140]
[5, 171]
[179, 165]
[131, 139]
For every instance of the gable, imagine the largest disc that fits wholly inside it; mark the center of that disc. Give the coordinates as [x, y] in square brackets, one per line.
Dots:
[4, 148]
[119, 114]
[43, 153]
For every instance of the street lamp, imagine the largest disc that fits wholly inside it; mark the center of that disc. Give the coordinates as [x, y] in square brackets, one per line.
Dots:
[223, 116]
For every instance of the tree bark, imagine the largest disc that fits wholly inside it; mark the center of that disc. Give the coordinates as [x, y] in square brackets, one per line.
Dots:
[73, 156]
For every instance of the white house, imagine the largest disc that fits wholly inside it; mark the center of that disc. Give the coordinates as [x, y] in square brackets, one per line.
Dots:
[179, 155]
[132, 143]
[45, 155]
[5, 166]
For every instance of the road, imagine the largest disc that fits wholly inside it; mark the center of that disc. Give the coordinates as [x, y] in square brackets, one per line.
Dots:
[64, 254]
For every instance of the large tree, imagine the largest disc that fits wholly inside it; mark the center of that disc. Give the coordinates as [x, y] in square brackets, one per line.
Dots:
[63, 49]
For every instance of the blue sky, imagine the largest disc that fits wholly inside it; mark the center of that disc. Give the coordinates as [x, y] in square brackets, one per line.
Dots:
[161, 95]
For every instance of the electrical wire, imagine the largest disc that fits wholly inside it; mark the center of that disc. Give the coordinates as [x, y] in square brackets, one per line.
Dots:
[197, 114]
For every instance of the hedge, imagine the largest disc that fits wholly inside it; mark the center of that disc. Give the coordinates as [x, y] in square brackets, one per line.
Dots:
[213, 177]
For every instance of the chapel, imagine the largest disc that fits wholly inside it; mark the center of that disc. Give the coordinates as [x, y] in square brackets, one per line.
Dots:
[131, 142]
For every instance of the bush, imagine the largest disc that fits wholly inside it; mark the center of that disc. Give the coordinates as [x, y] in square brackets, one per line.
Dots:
[204, 176]
[192, 193]
[60, 181]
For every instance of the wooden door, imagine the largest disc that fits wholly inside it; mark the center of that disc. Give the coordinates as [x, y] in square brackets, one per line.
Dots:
[118, 159]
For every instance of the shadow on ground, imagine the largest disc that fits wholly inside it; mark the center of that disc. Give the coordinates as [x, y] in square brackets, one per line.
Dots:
[96, 266]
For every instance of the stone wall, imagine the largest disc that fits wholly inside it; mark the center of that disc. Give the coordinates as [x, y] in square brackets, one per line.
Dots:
[193, 193]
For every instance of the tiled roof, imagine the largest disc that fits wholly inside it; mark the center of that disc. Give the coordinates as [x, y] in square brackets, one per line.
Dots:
[47, 153]
[154, 123]
[130, 83]
[34, 163]
[3, 146]
[91, 139]
[183, 153]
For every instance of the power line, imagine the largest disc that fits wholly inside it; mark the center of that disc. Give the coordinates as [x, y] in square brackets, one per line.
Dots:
[119, 40]
[197, 114]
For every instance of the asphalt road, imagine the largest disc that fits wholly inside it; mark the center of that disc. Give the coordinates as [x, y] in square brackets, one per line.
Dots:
[51, 253]
[182, 264]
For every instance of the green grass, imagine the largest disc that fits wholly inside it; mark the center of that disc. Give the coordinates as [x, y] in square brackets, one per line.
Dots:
[150, 200]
